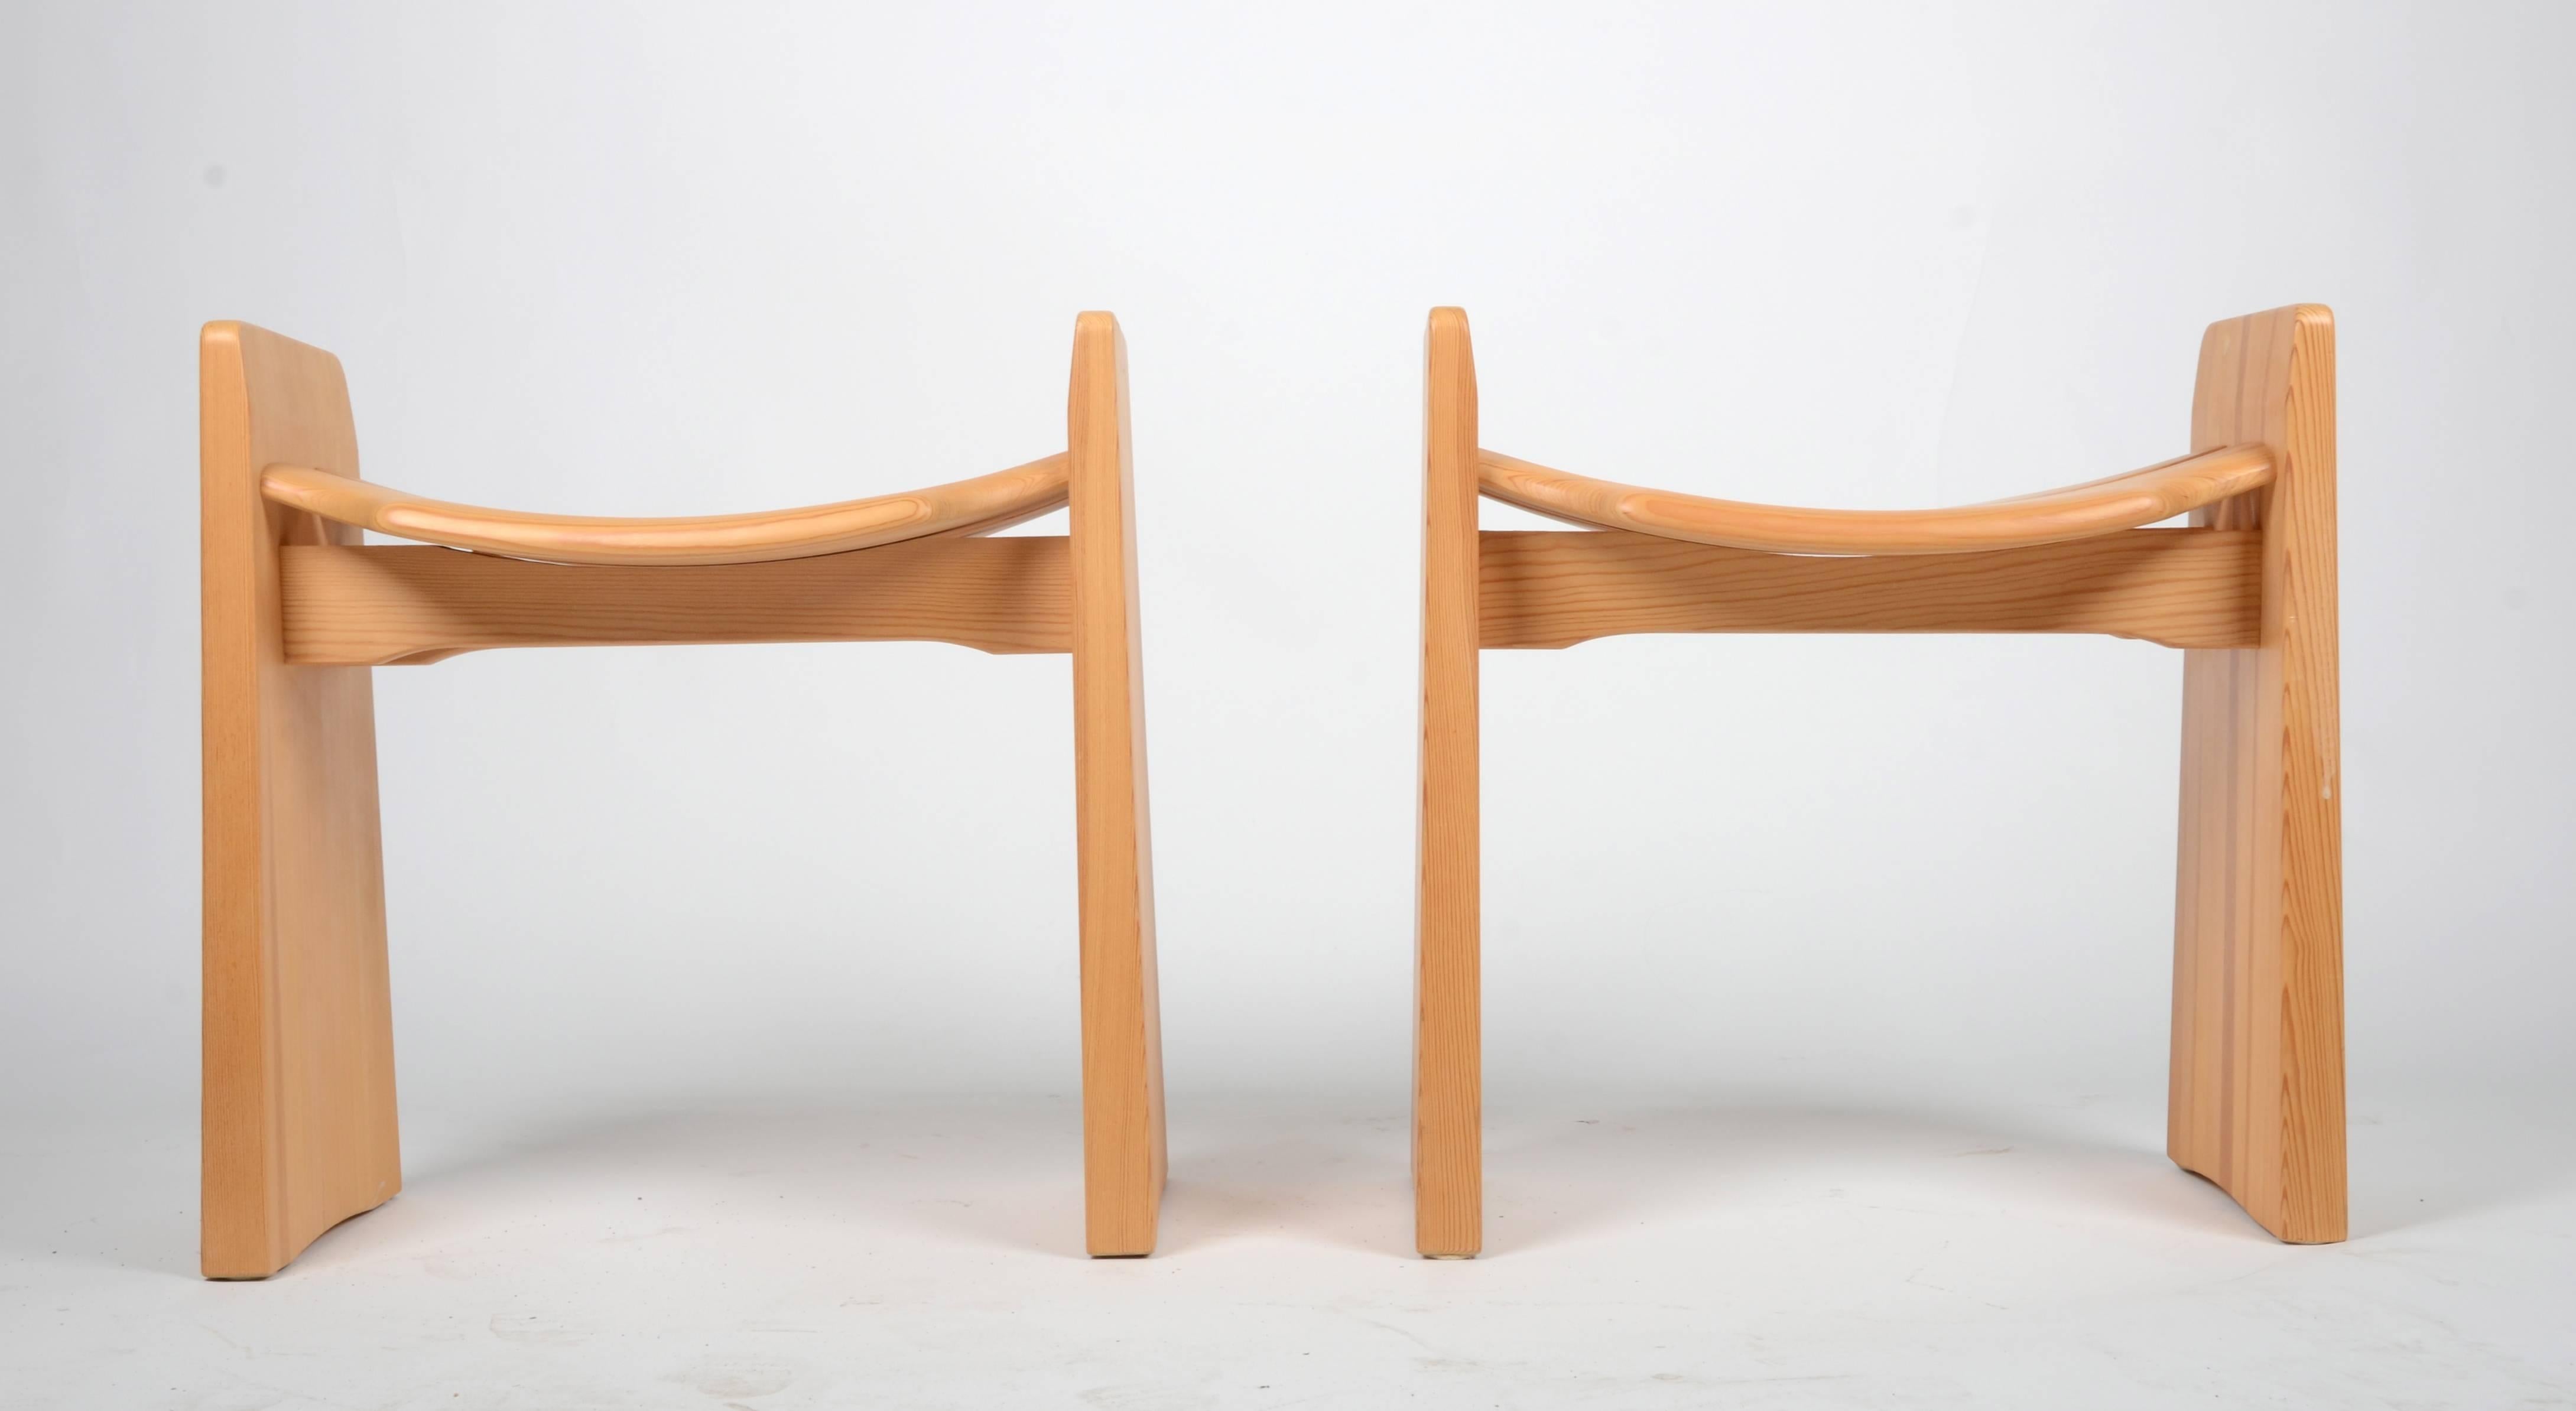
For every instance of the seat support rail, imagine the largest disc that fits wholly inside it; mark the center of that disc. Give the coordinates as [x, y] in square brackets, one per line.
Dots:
[405, 604]
[2180, 587]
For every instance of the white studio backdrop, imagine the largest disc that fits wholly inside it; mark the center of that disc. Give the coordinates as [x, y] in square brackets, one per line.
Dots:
[677, 259]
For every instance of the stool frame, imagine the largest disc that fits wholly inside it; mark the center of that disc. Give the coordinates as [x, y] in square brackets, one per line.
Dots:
[299, 1115]
[2248, 592]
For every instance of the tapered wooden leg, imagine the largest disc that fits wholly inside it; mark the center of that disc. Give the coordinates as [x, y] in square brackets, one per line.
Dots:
[298, 1032]
[2257, 1103]
[1448, 1078]
[1122, 1052]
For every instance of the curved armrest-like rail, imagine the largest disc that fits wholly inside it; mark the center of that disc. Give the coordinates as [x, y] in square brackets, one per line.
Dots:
[2077, 512]
[963, 507]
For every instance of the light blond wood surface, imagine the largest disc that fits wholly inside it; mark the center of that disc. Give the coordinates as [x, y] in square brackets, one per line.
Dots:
[1448, 1061]
[980, 505]
[298, 1074]
[2257, 1101]
[299, 1104]
[2127, 501]
[1122, 1052]
[2180, 587]
[391, 603]
[2249, 591]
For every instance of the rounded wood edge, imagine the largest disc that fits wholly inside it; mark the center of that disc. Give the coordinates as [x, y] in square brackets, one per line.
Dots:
[974, 505]
[2126, 501]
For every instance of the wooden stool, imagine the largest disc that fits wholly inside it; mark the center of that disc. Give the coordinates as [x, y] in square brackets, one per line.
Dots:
[299, 1078]
[2248, 593]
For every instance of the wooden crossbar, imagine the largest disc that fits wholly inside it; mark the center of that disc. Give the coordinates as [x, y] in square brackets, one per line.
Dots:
[2180, 587]
[299, 1126]
[400, 604]
[2248, 591]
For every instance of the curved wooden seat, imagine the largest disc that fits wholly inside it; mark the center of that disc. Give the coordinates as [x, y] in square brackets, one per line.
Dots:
[2076, 512]
[299, 1129]
[963, 507]
[2256, 1091]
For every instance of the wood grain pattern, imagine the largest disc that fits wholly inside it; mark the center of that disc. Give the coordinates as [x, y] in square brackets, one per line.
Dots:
[979, 505]
[397, 603]
[2127, 501]
[2180, 587]
[2249, 591]
[2257, 1101]
[1124, 1156]
[299, 1102]
[298, 1031]
[1448, 1060]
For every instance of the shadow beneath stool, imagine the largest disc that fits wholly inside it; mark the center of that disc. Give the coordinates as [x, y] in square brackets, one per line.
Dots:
[1551, 1179]
[2417, 1163]
[1252, 1169]
[106, 1195]
[997, 1172]
[1000, 1173]
[1555, 1179]
[1005, 1174]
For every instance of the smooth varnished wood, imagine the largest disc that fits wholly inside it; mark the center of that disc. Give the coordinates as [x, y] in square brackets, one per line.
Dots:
[298, 1074]
[2257, 1101]
[1122, 1050]
[299, 1103]
[409, 603]
[2180, 587]
[2139, 497]
[979, 505]
[2248, 591]
[1448, 1064]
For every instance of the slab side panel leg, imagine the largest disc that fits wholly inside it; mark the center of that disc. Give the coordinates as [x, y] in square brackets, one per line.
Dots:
[2257, 1084]
[1124, 1156]
[298, 1118]
[1448, 1077]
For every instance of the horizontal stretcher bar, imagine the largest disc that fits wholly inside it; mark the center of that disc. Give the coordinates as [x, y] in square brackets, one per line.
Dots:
[2180, 587]
[406, 604]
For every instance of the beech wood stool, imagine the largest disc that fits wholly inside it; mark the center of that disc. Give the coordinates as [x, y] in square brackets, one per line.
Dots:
[299, 1080]
[2248, 592]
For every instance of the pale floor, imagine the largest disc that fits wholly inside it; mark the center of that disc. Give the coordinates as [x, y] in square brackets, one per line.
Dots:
[923, 1254]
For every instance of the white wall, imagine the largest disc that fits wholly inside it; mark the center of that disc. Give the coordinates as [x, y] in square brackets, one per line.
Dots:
[675, 258]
